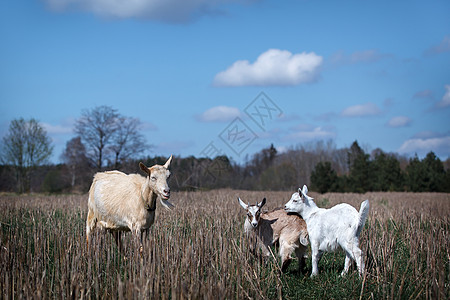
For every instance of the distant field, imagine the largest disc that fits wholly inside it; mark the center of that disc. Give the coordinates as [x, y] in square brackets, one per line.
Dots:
[198, 250]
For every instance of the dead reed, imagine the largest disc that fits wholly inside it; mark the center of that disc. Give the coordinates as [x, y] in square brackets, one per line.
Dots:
[199, 250]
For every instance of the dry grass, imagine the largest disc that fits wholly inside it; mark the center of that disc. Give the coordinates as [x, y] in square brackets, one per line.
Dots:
[199, 250]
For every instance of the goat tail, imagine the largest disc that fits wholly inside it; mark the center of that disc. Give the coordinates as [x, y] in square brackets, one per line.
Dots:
[363, 213]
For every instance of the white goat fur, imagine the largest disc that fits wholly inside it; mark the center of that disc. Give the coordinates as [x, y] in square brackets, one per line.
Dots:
[277, 226]
[328, 229]
[120, 202]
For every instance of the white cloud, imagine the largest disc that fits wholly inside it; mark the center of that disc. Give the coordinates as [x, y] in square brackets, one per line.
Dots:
[421, 146]
[400, 121]
[161, 10]
[272, 68]
[220, 114]
[306, 132]
[362, 110]
[57, 129]
[445, 101]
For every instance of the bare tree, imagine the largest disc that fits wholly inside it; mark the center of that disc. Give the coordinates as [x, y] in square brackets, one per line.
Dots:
[127, 141]
[109, 136]
[96, 127]
[74, 156]
[25, 147]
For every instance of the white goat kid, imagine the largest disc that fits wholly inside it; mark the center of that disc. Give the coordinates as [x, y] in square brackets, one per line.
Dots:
[277, 226]
[120, 202]
[328, 229]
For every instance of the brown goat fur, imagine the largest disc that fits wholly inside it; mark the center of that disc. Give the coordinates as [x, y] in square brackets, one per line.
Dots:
[288, 230]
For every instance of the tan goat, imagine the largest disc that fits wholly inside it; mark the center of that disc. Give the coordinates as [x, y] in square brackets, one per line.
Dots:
[277, 226]
[120, 202]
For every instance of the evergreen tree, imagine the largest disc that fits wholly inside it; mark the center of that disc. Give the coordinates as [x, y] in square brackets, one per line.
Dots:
[415, 181]
[386, 174]
[434, 173]
[323, 178]
[359, 165]
[447, 181]
[427, 175]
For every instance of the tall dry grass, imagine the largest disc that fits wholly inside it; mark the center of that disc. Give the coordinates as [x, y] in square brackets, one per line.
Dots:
[199, 250]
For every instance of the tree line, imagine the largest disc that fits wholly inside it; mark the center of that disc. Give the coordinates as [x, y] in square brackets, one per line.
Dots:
[107, 140]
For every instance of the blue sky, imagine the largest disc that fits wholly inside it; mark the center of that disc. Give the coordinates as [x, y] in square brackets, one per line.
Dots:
[377, 72]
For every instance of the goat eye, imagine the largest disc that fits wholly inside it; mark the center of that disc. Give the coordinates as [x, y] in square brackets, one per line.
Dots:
[153, 178]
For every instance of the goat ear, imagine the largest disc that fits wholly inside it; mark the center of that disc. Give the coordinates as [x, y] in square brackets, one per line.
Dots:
[262, 203]
[305, 189]
[144, 168]
[303, 192]
[244, 206]
[167, 164]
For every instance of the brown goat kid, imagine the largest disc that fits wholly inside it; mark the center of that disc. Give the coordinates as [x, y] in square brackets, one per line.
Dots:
[277, 226]
[119, 202]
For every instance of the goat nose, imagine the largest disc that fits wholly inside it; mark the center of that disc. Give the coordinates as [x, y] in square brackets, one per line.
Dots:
[167, 191]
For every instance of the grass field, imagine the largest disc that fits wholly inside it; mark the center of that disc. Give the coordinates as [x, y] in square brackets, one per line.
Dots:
[199, 250]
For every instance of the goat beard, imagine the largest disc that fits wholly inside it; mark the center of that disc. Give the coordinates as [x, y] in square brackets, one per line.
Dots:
[166, 203]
